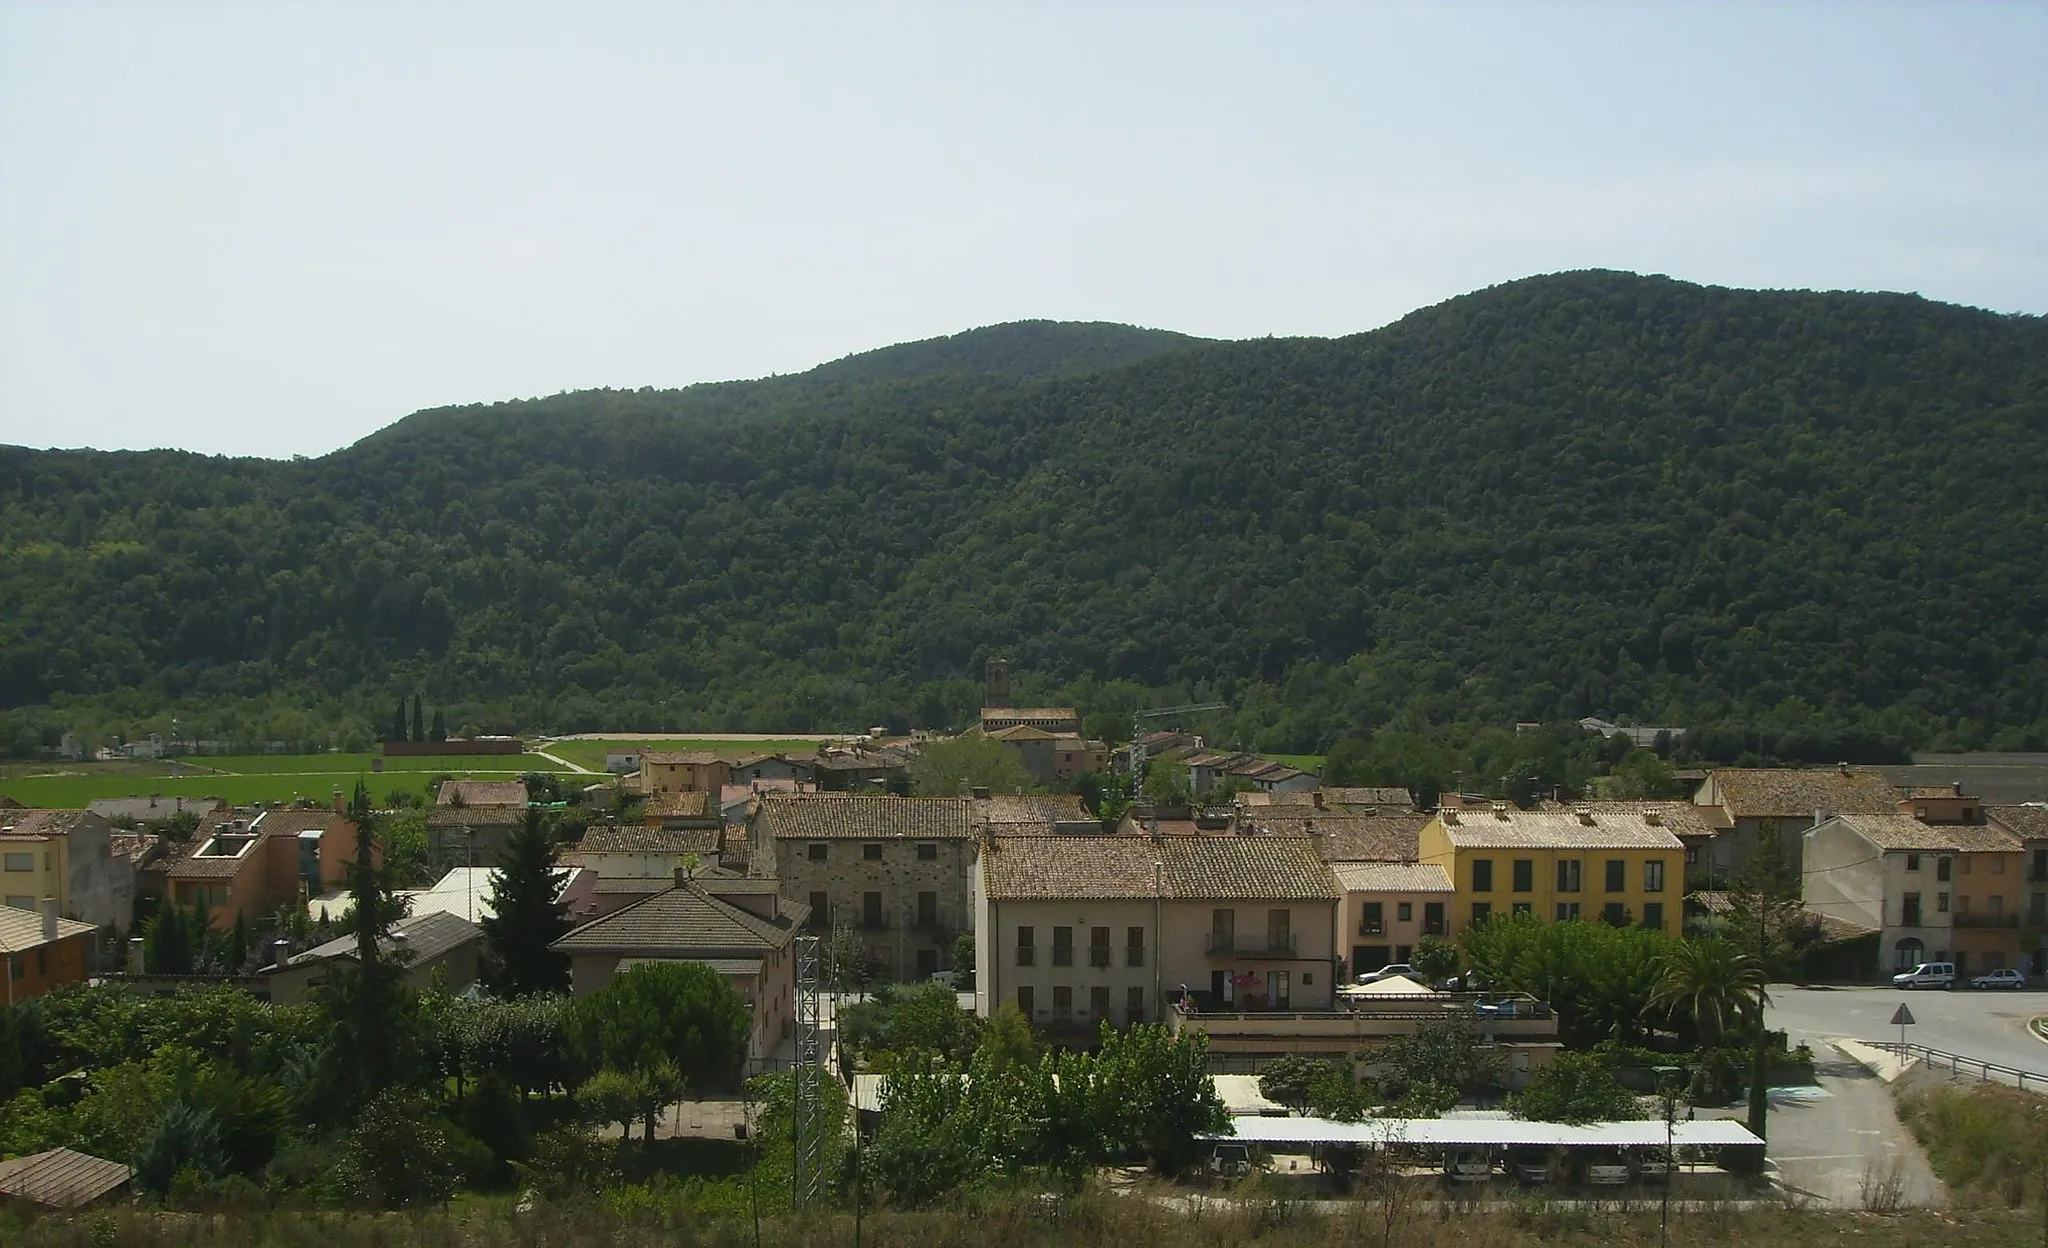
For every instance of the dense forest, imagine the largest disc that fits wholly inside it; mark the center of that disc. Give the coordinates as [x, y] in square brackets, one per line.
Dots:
[1582, 494]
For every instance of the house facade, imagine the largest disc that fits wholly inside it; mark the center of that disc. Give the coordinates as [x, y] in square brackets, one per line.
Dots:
[2029, 824]
[1935, 893]
[66, 855]
[41, 951]
[1620, 867]
[1389, 907]
[1747, 804]
[683, 771]
[897, 871]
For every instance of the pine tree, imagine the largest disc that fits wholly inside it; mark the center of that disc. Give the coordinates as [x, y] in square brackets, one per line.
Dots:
[527, 918]
[419, 728]
[440, 729]
[398, 723]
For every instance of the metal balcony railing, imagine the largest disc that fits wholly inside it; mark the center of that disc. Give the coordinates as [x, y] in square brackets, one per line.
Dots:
[1987, 920]
[1366, 927]
[1062, 955]
[1100, 955]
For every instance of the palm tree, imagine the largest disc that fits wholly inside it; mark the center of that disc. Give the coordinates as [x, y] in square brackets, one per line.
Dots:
[1713, 983]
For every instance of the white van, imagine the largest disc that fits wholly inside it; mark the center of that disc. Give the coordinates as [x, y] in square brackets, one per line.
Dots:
[1927, 975]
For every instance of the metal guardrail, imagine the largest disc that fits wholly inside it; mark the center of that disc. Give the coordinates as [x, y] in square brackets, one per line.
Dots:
[1957, 1063]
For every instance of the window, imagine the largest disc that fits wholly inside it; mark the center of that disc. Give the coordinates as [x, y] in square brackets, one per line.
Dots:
[1433, 918]
[1482, 875]
[1098, 951]
[871, 909]
[1568, 875]
[1279, 931]
[1912, 862]
[1653, 875]
[1567, 910]
[1962, 902]
[1062, 948]
[1308, 979]
[42, 959]
[928, 852]
[1026, 954]
[1134, 1005]
[1617, 875]
[815, 851]
[871, 853]
[1222, 931]
[1372, 921]
[1941, 903]
[1525, 875]
[821, 910]
[1614, 914]
[21, 862]
[1911, 915]
[1997, 865]
[1943, 867]
[1134, 946]
[1653, 915]
[20, 903]
[1692, 855]
[1025, 997]
[1062, 1002]
[1997, 903]
[1405, 911]
[1962, 866]
[1522, 908]
[1098, 1001]
[927, 909]
[1482, 911]
[927, 963]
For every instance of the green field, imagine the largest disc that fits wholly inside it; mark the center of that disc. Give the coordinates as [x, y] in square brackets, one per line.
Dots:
[1300, 762]
[247, 780]
[591, 753]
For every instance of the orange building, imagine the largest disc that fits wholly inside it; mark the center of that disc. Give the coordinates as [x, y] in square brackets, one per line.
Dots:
[42, 951]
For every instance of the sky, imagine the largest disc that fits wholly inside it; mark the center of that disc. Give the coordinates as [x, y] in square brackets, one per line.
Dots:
[271, 229]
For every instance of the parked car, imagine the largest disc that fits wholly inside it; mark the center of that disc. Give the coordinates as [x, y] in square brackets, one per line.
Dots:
[1606, 1167]
[2003, 977]
[1467, 1165]
[1388, 971]
[1653, 1163]
[1230, 1159]
[1529, 1165]
[1927, 975]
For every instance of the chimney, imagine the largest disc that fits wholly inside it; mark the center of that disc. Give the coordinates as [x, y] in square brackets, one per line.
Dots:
[135, 955]
[340, 803]
[280, 953]
[49, 918]
[1956, 787]
[682, 874]
[1317, 798]
[980, 793]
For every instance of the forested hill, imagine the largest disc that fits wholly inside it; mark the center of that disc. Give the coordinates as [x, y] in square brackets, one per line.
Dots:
[1589, 493]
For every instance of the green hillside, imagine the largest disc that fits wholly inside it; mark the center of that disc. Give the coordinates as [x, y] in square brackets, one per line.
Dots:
[1589, 493]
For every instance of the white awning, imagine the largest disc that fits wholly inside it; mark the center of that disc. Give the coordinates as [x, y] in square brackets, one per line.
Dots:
[1487, 1132]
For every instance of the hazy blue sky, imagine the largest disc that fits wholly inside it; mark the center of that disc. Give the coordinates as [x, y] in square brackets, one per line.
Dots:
[274, 228]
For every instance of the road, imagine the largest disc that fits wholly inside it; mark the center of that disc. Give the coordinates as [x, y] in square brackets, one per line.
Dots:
[1841, 1143]
[1988, 1025]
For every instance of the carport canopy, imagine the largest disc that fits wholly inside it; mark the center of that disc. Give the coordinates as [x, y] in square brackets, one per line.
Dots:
[1488, 1133]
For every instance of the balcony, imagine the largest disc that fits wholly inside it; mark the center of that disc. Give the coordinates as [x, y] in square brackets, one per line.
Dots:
[1435, 927]
[1100, 955]
[1372, 929]
[1134, 955]
[1988, 920]
[1272, 945]
[1062, 955]
[873, 923]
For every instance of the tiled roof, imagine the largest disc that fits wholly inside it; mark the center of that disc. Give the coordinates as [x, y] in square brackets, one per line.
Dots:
[684, 921]
[632, 840]
[633, 884]
[290, 821]
[1787, 793]
[809, 817]
[1028, 712]
[1021, 732]
[476, 816]
[1390, 877]
[1505, 827]
[2029, 822]
[61, 1178]
[1207, 868]
[1682, 817]
[198, 866]
[678, 805]
[22, 930]
[724, 966]
[37, 821]
[1896, 831]
[482, 792]
[1390, 798]
[427, 935]
[1040, 808]
[680, 758]
[1391, 837]
[152, 809]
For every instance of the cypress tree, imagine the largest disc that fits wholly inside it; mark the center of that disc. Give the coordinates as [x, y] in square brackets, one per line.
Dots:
[369, 1011]
[440, 729]
[166, 950]
[398, 723]
[238, 945]
[527, 918]
[419, 728]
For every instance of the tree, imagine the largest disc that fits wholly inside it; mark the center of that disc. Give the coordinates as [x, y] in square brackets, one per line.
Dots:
[439, 732]
[1157, 1087]
[235, 954]
[1434, 959]
[1574, 1087]
[1711, 983]
[963, 962]
[1008, 1040]
[1447, 1052]
[419, 728]
[918, 1018]
[368, 1007]
[527, 916]
[680, 1014]
[1765, 919]
[399, 1152]
[398, 723]
[166, 947]
[185, 1139]
[1287, 1080]
[957, 767]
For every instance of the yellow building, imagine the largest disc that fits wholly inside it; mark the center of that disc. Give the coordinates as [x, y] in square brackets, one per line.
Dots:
[1619, 866]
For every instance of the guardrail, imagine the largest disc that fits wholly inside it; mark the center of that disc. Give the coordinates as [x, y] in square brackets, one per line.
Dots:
[1957, 1063]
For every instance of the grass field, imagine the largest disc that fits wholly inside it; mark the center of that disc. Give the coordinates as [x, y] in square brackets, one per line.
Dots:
[1300, 762]
[591, 753]
[242, 781]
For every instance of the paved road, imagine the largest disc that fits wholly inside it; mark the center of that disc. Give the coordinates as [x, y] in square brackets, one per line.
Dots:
[1842, 1144]
[1988, 1025]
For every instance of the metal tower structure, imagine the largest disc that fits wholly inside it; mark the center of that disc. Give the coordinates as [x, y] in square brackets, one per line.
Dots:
[807, 1121]
[1138, 719]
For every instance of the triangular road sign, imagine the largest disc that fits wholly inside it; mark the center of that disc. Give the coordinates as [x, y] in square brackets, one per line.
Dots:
[1903, 1017]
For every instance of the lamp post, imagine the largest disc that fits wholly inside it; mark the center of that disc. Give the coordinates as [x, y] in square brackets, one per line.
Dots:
[1667, 1091]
